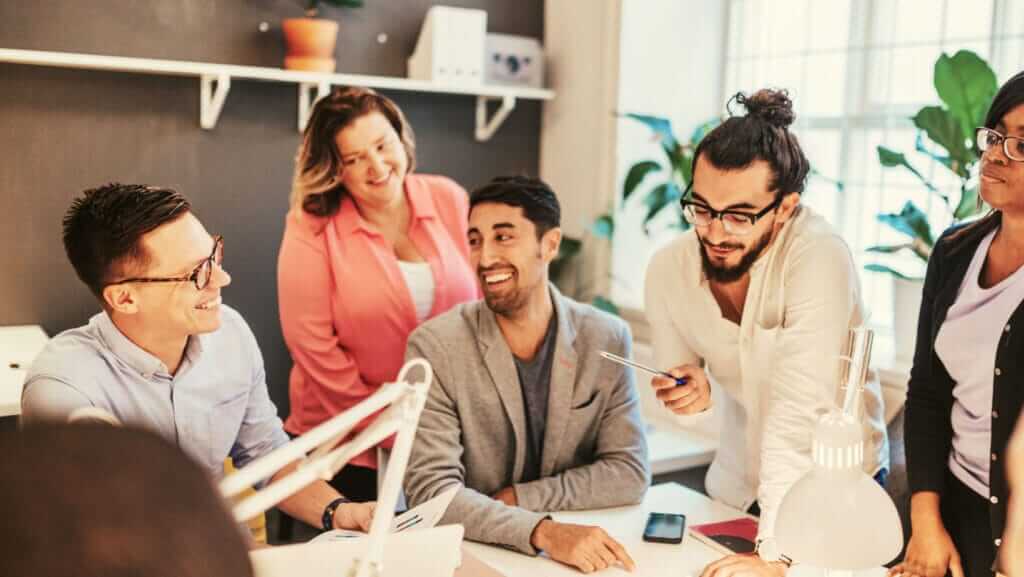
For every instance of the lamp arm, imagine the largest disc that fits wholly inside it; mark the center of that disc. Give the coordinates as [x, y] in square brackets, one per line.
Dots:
[323, 438]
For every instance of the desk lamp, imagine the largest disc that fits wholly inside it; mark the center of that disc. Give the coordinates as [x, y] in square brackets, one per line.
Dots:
[404, 401]
[836, 517]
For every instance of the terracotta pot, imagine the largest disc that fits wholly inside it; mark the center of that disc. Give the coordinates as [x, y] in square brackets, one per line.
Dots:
[310, 43]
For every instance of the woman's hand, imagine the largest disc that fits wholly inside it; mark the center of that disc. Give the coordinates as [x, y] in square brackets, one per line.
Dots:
[929, 554]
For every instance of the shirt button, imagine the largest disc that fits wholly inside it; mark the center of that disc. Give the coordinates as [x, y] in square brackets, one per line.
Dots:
[994, 499]
[998, 372]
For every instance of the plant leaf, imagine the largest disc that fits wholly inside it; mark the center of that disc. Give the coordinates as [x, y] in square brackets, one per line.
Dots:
[889, 248]
[604, 226]
[605, 305]
[890, 158]
[911, 221]
[661, 196]
[968, 205]
[636, 175]
[874, 267]
[662, 127]
[966, 84]
[943, 129]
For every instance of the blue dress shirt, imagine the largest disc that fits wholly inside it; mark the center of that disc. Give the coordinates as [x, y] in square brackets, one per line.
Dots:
[215, 406]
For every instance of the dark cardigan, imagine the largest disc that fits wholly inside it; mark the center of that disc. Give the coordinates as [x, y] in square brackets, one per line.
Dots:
[929, 430]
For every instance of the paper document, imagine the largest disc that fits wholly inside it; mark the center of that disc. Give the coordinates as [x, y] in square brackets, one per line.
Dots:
[424, 516]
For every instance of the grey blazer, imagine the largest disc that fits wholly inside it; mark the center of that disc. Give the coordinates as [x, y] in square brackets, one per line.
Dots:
[473, 429]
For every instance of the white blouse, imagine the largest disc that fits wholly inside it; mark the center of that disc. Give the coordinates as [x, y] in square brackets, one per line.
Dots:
[420, 281]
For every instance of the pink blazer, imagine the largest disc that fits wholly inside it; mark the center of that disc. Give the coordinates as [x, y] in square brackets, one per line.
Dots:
[346, 311]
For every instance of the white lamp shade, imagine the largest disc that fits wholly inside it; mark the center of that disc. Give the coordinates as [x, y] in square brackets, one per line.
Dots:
[836, 516]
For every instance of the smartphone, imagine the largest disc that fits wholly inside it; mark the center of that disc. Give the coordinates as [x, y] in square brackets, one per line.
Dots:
[665, 528]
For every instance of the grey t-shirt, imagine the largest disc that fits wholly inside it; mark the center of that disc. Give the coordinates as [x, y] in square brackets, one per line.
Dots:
[535, 381]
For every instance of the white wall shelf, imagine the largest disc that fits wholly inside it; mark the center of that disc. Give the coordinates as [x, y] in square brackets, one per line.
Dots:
[215, 82]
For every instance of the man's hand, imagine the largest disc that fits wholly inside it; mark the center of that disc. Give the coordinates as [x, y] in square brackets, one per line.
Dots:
[356, 516]
[929, 554]
[586, 548]
[744, 566]
[507, 496]
[693, 397]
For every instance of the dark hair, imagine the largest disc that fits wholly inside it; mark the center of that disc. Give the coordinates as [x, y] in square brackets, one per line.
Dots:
[94, 500]
[761, 134]
[102, 228]
[314, 187]
[534, 196]
[1009, 96]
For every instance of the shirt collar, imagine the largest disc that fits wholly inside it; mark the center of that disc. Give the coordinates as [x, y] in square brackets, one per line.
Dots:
[135, 356]
[421, 205]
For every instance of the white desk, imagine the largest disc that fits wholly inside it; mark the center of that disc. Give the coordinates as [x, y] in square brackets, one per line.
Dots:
[626, 524]
[19, 346]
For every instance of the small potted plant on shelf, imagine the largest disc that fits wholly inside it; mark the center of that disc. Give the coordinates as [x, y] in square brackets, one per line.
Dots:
[310, 41]
[966, 85]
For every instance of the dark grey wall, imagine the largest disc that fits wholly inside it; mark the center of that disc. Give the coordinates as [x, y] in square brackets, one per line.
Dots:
[65, 130]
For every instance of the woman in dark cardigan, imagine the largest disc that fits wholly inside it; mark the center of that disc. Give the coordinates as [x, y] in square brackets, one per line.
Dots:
[966, 385]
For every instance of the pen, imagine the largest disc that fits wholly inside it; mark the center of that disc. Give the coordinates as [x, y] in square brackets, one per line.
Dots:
[636, 365]
[410, 522]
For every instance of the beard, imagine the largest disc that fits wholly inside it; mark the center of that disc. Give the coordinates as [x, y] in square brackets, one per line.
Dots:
[727, 274]
[508, 303]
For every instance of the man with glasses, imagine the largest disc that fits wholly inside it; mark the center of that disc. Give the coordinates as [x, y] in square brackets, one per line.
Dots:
[757, 297]
[164, 353]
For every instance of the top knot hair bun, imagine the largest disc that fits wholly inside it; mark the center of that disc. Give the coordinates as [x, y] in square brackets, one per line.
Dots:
[771, 106]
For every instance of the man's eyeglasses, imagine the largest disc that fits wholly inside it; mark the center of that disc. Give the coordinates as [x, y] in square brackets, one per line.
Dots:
[735, 222]
[1013, 147]
[200, 275]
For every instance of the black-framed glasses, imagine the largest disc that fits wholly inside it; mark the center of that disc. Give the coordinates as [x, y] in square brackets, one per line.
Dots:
[200, 275]
[736, 222]
[1013, 147]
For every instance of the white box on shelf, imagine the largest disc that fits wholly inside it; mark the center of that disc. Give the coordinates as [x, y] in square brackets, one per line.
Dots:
[450, 48]
[514, 61]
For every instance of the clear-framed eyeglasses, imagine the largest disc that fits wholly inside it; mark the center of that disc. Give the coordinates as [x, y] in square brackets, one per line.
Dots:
[1013, 147]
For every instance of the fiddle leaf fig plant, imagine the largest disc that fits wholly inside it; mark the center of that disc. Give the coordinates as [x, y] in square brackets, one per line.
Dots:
[965, 84]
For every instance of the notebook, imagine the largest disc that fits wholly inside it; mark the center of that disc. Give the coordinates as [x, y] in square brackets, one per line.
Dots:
[727, 537]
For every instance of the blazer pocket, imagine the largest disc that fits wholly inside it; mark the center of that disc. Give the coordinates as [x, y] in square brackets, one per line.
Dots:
[586, 402]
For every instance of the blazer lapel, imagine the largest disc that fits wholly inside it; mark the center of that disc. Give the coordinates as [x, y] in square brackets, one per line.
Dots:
[498, 359]
[561, 387]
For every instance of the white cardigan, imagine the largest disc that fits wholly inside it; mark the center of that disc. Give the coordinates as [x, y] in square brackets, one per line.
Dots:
[804, 296]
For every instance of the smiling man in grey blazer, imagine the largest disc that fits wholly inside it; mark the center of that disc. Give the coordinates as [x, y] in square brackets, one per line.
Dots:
[523, 412]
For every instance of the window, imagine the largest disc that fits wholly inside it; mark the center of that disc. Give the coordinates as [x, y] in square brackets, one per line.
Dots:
[857, 70]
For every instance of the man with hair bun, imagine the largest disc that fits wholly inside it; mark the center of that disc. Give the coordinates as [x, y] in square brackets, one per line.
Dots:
[758, 297]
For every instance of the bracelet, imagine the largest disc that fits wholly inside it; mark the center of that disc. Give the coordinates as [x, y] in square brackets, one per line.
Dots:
[327, 520]
[777, 556]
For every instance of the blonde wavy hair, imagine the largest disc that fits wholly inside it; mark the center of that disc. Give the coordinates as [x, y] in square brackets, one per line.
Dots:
[315, 186]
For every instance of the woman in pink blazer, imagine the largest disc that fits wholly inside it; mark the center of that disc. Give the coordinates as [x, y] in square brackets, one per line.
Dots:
[370, 251]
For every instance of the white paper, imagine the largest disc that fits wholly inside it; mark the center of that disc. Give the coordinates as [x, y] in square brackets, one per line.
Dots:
[428, 514]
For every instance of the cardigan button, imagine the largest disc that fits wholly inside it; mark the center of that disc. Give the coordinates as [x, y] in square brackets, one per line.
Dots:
[994, 500]
[998, 542]
[998, 372]
[995, 414]
[1006, 329]
[994, 457]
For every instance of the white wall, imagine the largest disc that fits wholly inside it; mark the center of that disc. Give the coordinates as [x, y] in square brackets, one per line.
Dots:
[671, 62]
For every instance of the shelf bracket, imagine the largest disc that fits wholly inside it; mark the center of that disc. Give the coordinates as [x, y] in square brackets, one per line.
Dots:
[485, 128]
[307, 100]
[213, 91]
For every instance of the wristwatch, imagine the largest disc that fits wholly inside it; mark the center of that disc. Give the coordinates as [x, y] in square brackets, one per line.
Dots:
[327, 519]
[768, 550]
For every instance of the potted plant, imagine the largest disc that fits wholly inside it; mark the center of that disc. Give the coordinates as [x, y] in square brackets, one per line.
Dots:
[309, 41]
[966, 85]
